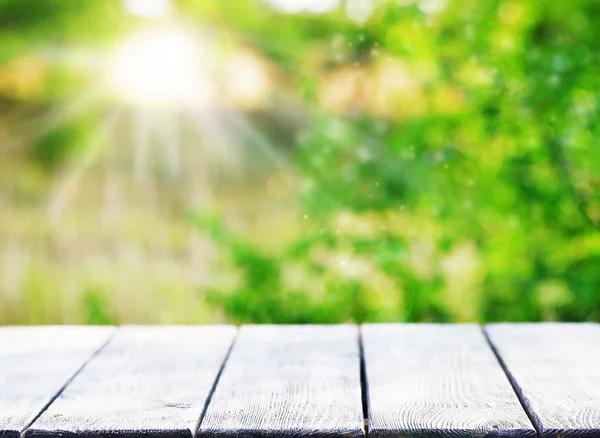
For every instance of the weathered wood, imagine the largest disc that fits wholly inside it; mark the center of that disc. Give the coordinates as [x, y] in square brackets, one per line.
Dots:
[555, 369]
[435, 380]
[35, 364]
[289, 381]
[146, 381]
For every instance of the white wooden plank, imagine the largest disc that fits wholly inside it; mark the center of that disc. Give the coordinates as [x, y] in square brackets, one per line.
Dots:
[556, 370]
[437, 380]
[35, 363]
[146, 381]
[292, 381]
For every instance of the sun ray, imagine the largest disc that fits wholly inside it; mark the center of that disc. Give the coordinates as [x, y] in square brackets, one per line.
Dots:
[112, 202]
[62, 194]
[171, 145]
[257, 138]
[141, 144]
[41, 125]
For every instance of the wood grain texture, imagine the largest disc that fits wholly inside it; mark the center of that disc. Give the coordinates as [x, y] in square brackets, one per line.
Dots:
[146, 381]
[35, 364]
[289, 381]
[555, 368]
[435, 380]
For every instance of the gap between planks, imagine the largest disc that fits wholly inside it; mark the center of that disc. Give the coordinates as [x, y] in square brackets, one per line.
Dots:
[75, 374]
[216, 382]
[513, 383]
[364, 384]
[160, 357]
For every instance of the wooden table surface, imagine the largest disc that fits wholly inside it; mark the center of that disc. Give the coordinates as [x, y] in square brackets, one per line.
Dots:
[382, 380]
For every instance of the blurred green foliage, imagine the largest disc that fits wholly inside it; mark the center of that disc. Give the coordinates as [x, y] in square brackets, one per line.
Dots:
[460, 181]
[498, 191]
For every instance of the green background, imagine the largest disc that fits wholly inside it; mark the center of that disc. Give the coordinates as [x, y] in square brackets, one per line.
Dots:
[443, 159]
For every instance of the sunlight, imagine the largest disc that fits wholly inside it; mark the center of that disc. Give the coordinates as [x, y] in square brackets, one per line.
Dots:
[295, 6]
[36, 127]
[140, 136]
[148, 8]
[170, 134]
[161, 67]
[64, 191]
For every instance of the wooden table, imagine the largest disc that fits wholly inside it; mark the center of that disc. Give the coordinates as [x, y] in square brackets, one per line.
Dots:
[382, 380]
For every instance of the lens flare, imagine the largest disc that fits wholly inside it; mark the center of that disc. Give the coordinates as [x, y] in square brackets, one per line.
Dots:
[162, 67]
[148, 8]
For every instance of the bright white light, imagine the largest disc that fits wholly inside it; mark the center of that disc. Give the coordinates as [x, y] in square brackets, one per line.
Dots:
[295, 6]
[163, 67]
[359, 10]
[148, 8]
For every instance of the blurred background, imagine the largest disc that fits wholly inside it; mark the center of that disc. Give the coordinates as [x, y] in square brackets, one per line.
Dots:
[201, 161]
